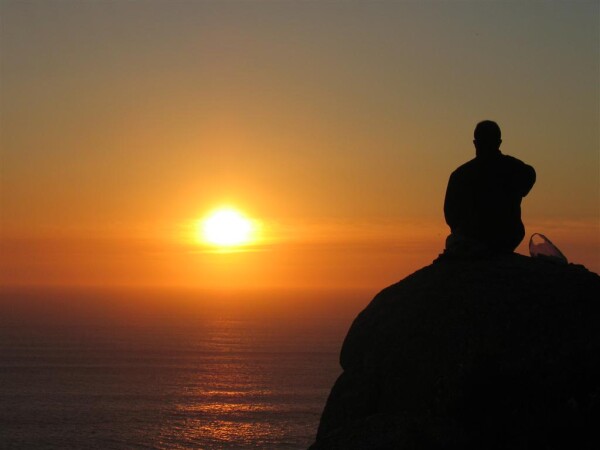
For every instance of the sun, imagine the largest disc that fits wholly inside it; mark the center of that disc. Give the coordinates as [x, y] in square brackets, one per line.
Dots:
[226, 227]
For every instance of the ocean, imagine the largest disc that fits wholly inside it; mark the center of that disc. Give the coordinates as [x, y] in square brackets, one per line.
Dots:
[106, 370]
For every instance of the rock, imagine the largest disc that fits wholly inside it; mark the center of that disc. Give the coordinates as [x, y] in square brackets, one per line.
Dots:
[463, 354]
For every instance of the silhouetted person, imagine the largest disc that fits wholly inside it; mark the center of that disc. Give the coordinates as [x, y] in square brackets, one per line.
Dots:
[483, 198]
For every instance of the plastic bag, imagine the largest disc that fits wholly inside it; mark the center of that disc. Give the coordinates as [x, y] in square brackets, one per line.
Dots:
[541, 247]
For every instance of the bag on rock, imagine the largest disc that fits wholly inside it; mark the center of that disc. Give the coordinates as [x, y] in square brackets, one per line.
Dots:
[541, 247]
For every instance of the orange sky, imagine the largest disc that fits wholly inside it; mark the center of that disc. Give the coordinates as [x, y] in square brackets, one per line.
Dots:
[334, 124]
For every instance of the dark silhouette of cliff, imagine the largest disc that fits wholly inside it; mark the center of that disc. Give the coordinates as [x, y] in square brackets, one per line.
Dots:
[497, 353]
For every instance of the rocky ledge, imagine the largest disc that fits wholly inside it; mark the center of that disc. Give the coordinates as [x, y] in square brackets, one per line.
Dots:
[501, 353]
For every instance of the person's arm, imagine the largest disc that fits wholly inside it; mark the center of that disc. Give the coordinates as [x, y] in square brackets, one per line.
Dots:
[520, 176]
[528, 179]
[452, 203]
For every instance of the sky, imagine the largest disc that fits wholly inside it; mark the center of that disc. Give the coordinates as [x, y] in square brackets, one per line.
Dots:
[334, 125]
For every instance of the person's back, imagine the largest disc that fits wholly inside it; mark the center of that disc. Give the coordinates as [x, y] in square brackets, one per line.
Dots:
[483, 198]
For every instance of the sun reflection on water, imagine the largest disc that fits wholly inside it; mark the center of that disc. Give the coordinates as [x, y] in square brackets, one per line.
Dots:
[222, 433]
[251, 385]
[228, 408]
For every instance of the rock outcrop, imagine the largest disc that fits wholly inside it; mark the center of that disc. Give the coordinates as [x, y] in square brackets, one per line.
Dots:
[499, 353]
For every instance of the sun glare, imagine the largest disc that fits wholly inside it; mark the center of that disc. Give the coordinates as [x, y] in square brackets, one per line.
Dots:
[226, 228]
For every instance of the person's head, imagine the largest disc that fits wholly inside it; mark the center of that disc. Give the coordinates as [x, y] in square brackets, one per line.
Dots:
[487, 138]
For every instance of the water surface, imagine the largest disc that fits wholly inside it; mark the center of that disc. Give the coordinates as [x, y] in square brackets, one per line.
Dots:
[106, 370]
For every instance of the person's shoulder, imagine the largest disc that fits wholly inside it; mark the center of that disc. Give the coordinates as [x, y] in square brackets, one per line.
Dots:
[517, 166]
[508, 159]
[466, 167]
